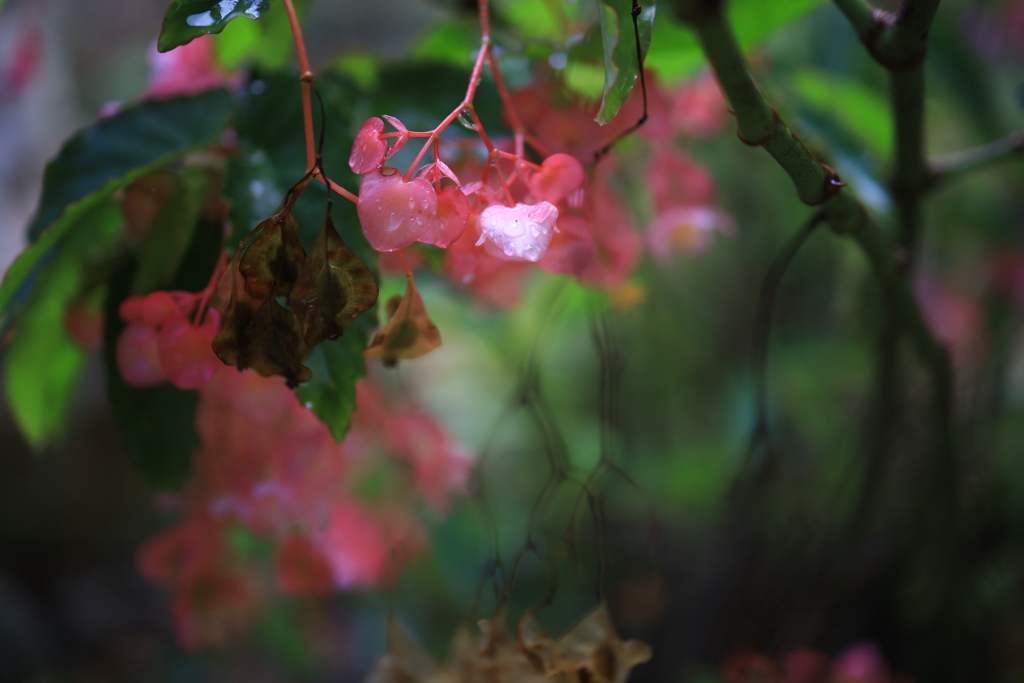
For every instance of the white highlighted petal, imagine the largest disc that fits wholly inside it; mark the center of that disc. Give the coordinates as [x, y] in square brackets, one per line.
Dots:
[522, 232]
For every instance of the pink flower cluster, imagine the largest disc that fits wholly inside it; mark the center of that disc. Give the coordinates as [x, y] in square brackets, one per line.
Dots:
[860, 663]
[496, 212]
[397, 210]
[167, 339]
[269, 467]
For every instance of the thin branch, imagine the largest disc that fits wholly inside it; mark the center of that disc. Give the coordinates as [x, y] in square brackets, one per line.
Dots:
[763, 321]
[305, 76]
[955, 164]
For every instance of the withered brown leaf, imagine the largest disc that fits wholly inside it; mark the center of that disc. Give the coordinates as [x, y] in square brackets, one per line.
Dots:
[410, 333]
[262, 335]
[592, 651]
[272, 261]
[332, 289]
[272, 344]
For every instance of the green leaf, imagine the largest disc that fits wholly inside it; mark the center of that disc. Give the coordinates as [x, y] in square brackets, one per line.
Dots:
[337, 366]
[675, 53]
[101, 160]
[858, 109]
[186, 20]
[112, 152]
[453, 42]
[42, 363]
[621, 62]
[266, 43]
[171, 232]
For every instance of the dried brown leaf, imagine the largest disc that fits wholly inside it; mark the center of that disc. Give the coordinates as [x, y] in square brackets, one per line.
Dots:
[271, 263]
[410, 333]
[332, 289]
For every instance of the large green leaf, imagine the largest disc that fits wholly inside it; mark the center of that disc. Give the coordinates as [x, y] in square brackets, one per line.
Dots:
[186, 20]
[99, 161]
[41, 362]
[675, 53]
[171, 231]
[112, 152]
[621, 62]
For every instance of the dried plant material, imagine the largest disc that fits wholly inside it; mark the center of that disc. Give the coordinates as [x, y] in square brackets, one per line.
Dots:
[271, 263]
[404, 661]
[333, 288]
[592, 651]
[273, 344]
[264, 336]
[410, 333]
[493, 656]
[536, 644]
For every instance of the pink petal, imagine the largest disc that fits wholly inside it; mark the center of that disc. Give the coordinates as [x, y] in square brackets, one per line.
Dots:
[400, 141]
[394, 213]
[368, 149]
[185, 352]
[559, 175]
[137, 356]
[522, 231]
[572, 248]
[452, 218]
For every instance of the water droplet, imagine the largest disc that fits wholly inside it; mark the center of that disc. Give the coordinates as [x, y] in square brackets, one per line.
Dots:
[466, 120]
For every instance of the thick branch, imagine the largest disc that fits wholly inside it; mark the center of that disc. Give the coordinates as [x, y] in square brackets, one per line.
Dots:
[860, 14]
[951, 166]
[815, 181]
[896, 41]
[758, 124]
[910, 175]
[905, 41]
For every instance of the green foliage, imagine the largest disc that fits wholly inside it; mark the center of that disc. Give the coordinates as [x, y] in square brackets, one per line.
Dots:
[186, 20]
[112, 152]
[337, 366]
[42, 362]
[171, 232]
[452, 43]
[266, 43]
[621, 62]
[675, 53]
[861, 111]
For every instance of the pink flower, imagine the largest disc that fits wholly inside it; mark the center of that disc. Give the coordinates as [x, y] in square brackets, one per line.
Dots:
[860, 663]
[186, 70]
[686, 229]
[698, 108]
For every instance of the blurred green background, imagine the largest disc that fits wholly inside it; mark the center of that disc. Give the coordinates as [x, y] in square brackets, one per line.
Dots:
[830, 535]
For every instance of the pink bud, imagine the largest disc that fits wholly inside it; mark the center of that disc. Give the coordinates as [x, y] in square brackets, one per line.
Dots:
[368, 149]
[185, 351]
[395, 213]
[559, 175]
[159, 308]
[137, 356]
